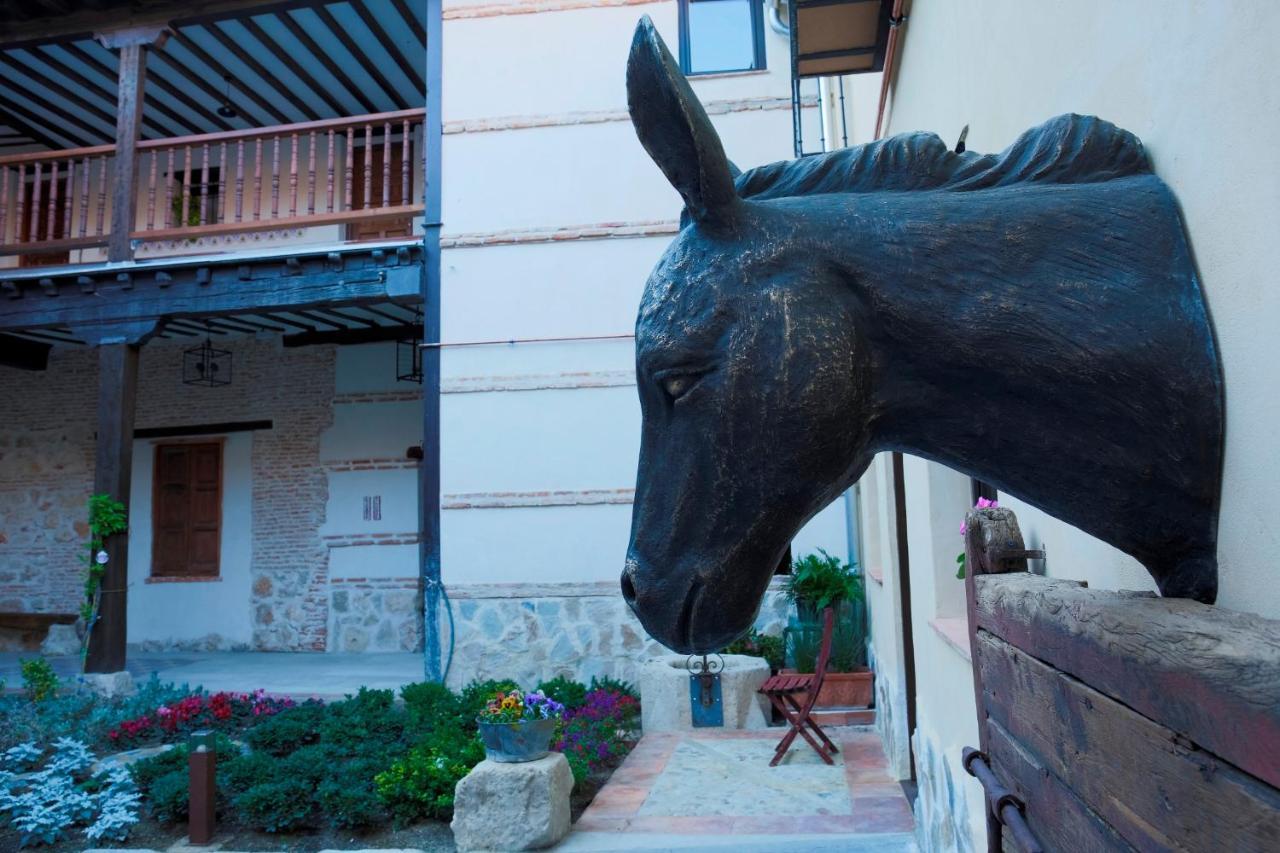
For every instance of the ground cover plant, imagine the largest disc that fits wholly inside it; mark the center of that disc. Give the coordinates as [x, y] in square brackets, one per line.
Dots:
[371, 766]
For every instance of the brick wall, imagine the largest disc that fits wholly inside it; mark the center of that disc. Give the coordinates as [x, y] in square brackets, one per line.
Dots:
[46, 474]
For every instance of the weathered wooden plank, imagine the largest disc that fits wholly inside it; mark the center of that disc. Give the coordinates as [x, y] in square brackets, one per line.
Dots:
[113, 465]
[128, 129]
[1060, 820]
[1210, 674]
[1157, 790]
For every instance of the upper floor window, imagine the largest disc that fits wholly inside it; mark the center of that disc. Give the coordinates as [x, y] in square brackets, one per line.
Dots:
[721, 35]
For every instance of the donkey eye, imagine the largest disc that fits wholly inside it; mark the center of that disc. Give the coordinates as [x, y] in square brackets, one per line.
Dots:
[679, 385]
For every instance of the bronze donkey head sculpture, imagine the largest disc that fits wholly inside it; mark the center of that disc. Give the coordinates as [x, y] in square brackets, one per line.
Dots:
[1031, 318]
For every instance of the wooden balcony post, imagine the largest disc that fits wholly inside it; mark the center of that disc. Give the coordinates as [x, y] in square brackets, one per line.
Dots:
[133, 72]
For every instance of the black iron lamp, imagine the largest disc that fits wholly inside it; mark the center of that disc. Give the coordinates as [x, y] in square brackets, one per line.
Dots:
[205, 365]
[409, 352]
[226, 109]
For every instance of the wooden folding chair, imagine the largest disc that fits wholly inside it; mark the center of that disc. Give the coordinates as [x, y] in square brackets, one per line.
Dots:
[782, 690]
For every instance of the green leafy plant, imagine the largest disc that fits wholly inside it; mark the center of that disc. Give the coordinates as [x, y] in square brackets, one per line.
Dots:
[107, 517]
[818, 581]
[430, 706]
[287, 730]
[848, 641]
[759, 645]
[421, 784]
[38, 679]
[282, 806]
[614, 685]
[566, 691]
[476, 695]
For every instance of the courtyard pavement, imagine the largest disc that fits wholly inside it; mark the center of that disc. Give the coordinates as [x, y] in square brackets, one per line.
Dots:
[299, 675]
[710, 790]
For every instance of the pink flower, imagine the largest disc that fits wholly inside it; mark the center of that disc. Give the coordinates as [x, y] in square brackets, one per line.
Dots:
[964, 528]
[983, 503]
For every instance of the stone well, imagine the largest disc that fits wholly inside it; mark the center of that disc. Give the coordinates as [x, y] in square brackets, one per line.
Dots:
[664, 693]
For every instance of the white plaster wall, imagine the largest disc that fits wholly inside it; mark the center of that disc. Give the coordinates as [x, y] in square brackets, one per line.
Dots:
[1193, 80]
[194, 611]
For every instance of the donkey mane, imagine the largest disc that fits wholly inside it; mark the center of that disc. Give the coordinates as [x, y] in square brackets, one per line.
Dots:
[1068, 149]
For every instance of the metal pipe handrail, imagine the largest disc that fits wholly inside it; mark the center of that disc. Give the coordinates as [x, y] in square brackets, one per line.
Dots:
[1002, 804]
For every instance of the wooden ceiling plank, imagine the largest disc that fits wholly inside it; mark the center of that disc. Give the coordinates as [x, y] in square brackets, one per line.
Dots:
[360, 56]
[293, 65]
[213, 65]
[28, 122]
[412, 72]
[108, 94]
[412, 20]
[28, 130]
[58, 89]
[327, 61]
[257, 68]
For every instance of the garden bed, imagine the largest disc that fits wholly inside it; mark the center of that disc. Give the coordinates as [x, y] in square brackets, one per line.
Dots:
[373, 770]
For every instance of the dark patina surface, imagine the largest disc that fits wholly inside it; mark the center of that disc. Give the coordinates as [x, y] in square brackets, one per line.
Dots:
[1032, 318]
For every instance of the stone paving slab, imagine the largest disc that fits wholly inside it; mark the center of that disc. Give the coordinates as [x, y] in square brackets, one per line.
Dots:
[712, 789]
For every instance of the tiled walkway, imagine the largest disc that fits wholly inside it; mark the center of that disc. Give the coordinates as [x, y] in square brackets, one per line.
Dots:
[715, 789]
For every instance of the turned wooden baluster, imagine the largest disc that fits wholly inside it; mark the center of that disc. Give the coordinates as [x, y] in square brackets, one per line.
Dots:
[275, 181]
[311, 174]
[102, 196]
[203, 212]
[350, 169]
[220, 208]
[33, 235]
[293, 176]
[4, 203]
[406, 163]
[186, 187]
[368, 165]
[329, 190]
[151, 191]
[168, 188]
[257, 180]
[239, 179]
[85, 170]
[50, 228]
[69, 204]
[22, 198]
[386, 164]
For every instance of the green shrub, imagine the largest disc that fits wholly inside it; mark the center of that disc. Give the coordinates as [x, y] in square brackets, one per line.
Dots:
[349, 799]
[247, 771]
[311, 764]
[579, 767]
[367, 724]
[38, 679]
[614, 685]
[772, 649]
[288, 730]
[168, 797]
[420, 785]
[281, 806]
[566, 691]
[478, 693]
[429, 706]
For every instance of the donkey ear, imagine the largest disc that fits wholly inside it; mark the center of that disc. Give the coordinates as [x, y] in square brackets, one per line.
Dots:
[674, 128]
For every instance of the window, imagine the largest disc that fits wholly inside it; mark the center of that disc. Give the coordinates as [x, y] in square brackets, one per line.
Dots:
[721, 35]
[186, 510]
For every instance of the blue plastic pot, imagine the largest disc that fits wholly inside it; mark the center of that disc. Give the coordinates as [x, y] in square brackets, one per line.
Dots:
[513, 743]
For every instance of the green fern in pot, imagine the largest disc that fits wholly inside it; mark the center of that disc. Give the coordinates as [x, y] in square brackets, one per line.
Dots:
[819, 581]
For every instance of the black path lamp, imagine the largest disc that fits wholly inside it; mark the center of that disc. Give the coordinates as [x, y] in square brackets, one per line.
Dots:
[206, 365]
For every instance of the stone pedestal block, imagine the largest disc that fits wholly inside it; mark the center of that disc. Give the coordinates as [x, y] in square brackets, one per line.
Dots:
[664, 693]
[61, 640]
[109, 684]
[513, 806]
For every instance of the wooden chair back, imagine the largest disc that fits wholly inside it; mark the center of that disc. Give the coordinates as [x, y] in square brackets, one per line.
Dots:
[824, 655]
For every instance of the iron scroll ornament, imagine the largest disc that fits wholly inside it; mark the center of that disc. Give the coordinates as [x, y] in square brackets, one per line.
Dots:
[1032, 318]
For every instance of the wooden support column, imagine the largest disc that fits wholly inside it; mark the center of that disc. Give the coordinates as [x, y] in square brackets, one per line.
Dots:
[133, 73]
[117, 347]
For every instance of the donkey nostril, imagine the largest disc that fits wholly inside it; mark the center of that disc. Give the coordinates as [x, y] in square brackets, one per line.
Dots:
[628, 589]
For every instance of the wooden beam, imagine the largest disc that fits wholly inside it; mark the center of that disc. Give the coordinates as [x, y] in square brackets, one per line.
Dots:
[359, 56]
[216, 67]
[23, 354]
[113, 466]
[295, 67]
[305, 39]
[409, 18]
[410, 71]
[124, 204]
[352, 336]
[34, 126]
[61, 91]
[257, 68]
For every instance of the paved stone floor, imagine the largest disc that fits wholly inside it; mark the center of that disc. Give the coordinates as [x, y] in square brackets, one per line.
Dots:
[716, 790]
[295, 674]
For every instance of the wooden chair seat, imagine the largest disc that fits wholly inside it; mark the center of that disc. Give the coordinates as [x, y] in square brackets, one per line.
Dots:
[781, 690]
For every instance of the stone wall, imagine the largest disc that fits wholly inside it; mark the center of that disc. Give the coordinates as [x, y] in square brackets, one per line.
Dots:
[891, 716]
[534, 632]
[46, 475]
[375, 615]
[941, 807]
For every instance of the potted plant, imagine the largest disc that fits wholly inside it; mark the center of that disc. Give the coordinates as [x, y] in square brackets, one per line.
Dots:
[819, 581]
[517, 727]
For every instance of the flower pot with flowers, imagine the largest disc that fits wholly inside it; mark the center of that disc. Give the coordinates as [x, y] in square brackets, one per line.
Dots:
[517, 726]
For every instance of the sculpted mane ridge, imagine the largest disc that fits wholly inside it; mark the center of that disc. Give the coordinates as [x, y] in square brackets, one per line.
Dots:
[1068, 149]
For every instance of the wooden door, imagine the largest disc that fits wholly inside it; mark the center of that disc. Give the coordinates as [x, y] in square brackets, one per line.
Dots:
[382, 229]
[187, 510]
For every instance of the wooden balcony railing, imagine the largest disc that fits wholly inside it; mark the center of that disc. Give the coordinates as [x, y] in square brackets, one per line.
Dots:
[360, 171]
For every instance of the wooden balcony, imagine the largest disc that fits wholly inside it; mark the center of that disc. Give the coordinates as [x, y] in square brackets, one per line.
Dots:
[362, 173]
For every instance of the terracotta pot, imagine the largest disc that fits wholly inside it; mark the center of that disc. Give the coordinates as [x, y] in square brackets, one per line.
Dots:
[843, 690]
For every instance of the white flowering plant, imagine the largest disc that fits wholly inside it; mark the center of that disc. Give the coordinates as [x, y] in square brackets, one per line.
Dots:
[44, 794]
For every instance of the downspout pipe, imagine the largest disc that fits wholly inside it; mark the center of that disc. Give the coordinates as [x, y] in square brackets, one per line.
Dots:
[773, 13]
[896, 20]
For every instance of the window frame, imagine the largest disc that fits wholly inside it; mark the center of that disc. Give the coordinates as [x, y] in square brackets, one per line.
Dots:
[155, 570]
[759, 61]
